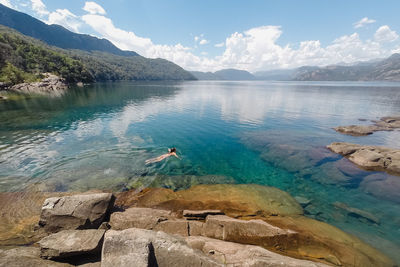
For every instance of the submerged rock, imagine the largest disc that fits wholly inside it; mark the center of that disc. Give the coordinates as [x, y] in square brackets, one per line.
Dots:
[370, 157]
[75, 212]
[382, 186]
[138, 247]
[357, 212]
[68, 243]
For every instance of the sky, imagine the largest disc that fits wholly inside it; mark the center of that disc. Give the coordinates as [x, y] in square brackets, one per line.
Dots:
[253, 35]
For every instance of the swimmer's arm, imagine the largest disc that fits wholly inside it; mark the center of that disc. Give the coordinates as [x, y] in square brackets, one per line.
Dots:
[176, 156]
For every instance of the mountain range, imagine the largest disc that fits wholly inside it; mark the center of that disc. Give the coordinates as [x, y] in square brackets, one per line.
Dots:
[29, 46]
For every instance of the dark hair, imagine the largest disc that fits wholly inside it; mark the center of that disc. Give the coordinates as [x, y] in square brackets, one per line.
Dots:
[172, 150]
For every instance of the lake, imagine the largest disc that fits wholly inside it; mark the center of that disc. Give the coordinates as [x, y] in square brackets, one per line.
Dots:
[268, 133]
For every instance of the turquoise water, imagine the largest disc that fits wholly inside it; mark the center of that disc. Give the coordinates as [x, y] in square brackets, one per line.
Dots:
[269, 133]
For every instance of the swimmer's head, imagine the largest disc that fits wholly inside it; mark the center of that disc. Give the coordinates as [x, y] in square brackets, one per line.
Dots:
[172, 150]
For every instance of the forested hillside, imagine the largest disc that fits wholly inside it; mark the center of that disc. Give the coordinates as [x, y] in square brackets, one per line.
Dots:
[23, 59]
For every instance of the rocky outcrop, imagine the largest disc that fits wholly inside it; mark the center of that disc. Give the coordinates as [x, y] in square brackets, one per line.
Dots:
[75, 212]
[49, 85]
[233, 254]
[385, 124]
[68, 243]
[26, 256]
[200, 214]
[370, 157]
[289, 234]
[138, 247]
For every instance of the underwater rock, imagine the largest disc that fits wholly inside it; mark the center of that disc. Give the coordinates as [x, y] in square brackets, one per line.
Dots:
[382, 186]
[328, 173]
[385, 124]
[138, 247]
[75, 212]
[302, 201]
[348, 168]
[370, 157]
[234, 254]
[69, 243]
[240, 199]
[357, 212]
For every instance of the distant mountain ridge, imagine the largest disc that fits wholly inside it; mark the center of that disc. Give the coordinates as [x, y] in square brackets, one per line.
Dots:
[56, 35]
[383, 70]
[225, 74]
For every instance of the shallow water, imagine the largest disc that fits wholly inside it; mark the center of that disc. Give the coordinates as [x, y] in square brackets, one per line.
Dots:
[269, 133]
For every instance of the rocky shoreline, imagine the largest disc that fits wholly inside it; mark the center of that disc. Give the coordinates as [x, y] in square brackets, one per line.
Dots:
[49, 85]
[384, 124]
[374, 158]
[206, 225]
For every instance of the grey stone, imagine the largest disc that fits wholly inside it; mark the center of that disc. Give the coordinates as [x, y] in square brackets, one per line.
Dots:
[233, 254]
[139, 247]
[26, 256]
[75, 212]
[302, 201]
[145, 218]
[256, 232]
[49, 85]
[69, 243]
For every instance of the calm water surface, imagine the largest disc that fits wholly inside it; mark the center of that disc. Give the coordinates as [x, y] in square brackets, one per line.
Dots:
[269, 133]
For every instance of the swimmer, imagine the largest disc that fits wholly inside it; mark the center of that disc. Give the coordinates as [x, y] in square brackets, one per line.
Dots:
[171, 152]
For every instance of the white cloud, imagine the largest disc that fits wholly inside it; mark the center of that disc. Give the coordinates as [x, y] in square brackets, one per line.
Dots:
[65, 18]
[39, 7]
[362, 22]
[203, 42]
[384, 34]
[94, 8]
[220, 44]
[6, 3]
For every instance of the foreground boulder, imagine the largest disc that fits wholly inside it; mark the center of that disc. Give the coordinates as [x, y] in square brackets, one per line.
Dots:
[138, 247]
[370, 157]
[75, 212]
[68, 243]
[233, 254]
[26, 256]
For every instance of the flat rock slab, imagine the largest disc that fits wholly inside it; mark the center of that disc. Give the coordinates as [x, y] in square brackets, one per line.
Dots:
[26, 256]
[256, 232]
[370, 157]
[384, 124]
[200, 214]
[70, 243]
[233, 254]
[75, 212]
[145, 218]
[139, 247]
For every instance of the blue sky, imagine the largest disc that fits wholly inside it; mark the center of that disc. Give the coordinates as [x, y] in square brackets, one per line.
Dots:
[252, 35]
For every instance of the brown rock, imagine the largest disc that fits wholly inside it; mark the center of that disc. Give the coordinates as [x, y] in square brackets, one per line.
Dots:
[69, 243]
[357, 130]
